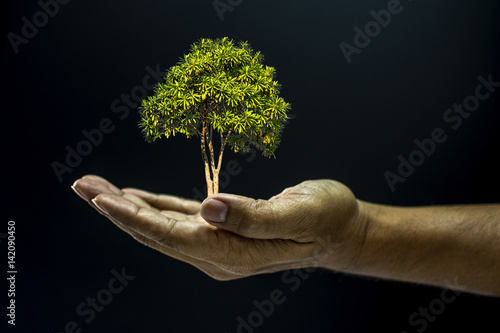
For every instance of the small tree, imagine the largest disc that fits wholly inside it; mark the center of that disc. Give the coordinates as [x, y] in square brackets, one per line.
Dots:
[222, 93]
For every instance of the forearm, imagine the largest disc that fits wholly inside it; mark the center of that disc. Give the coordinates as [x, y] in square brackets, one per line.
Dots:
[439, 245]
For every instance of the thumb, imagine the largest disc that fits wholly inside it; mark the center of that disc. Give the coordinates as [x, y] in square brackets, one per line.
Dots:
[279, 218]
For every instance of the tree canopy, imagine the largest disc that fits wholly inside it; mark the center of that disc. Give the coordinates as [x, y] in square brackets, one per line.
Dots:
[224, 84]
[219, 87]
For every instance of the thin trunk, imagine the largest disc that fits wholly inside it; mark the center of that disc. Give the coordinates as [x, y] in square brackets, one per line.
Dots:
[216, 182]
[211, 149]
[215, 172]
[222, 147]
[210, 183]
[211, 170]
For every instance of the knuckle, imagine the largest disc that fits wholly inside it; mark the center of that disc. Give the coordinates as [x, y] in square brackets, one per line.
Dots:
[250, 216]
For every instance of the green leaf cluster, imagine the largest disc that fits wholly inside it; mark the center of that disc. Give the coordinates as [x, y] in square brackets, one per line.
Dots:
[221, 85]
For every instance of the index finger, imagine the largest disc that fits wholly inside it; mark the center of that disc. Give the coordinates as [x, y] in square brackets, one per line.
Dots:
[182, 236]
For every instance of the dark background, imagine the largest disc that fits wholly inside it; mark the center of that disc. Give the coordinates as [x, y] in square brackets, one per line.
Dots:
[351, 121]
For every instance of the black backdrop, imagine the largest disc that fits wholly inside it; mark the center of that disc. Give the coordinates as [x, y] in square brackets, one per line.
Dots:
[350, 122]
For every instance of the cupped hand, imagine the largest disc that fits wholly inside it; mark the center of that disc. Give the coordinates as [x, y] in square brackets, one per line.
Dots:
[315, 223]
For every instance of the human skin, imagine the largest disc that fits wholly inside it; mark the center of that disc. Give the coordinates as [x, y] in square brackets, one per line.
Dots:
[317, 222]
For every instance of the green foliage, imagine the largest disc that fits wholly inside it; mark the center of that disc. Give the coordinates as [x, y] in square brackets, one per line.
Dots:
[224, 87]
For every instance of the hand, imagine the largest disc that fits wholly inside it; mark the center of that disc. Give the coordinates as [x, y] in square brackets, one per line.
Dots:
[228, 236]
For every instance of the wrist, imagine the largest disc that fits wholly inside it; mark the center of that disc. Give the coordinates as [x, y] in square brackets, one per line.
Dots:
[364, 222]
[345, 251]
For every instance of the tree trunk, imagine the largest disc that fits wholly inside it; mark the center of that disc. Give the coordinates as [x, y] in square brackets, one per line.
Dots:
[212, 167]
[216, 181]
[208, 178]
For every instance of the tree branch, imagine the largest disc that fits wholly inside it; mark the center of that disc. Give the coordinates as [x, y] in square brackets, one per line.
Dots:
[197, 130]
[222, 147]
[211, 148]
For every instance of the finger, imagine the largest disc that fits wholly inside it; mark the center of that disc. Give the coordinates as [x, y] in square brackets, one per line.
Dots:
[210, 269]
[284, 217]
[150, 223]
[181, 216]
[88, 187]
[166, 202]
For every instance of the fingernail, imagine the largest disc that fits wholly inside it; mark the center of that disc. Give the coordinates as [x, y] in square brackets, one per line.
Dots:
[214, 210]
[99, 207]
[77, 191]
